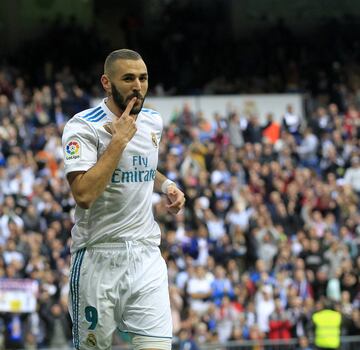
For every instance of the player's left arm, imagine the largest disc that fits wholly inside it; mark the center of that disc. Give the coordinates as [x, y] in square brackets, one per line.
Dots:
[176, 198]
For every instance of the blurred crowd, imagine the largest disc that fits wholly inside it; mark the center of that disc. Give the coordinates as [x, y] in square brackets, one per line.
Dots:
[270, 232]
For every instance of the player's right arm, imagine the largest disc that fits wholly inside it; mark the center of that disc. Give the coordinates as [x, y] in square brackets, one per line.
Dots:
[87, 186]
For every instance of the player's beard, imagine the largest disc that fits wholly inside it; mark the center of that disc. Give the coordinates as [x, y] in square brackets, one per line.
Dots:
[122, 102]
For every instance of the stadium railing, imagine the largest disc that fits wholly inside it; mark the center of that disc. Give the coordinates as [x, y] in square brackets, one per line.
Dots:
[347, 343]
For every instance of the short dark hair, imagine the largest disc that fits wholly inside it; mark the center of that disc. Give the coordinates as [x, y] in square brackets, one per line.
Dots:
[121, 54]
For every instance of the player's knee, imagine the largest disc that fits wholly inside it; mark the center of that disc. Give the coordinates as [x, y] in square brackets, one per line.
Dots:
[142, 342]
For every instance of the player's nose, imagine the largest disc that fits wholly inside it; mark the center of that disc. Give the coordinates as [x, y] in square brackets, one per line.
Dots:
[137, 85]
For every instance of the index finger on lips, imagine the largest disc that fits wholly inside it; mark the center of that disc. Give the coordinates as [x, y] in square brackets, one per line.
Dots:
[129, 106]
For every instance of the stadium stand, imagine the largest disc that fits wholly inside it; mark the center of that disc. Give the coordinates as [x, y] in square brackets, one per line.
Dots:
[271, 229]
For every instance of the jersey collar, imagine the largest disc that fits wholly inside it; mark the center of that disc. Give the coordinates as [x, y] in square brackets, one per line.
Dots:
[106, 109]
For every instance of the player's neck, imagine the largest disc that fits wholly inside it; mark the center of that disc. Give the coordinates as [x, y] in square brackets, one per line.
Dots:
[113, 107]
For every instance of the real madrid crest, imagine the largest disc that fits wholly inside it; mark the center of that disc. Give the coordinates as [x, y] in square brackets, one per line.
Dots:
[91, 340]
[154, 139]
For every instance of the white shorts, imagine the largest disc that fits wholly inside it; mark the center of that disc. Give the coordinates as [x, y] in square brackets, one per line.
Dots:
[120, 286]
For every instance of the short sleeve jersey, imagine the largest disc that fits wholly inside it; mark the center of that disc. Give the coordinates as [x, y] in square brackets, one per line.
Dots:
[124, 210]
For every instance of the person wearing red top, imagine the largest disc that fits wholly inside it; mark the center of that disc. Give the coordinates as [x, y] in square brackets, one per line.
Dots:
[279, 323]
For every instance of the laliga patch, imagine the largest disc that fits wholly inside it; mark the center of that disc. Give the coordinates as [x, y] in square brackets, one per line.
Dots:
[72, 150]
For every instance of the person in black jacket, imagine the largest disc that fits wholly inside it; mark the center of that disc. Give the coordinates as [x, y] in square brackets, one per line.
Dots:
[58, 324]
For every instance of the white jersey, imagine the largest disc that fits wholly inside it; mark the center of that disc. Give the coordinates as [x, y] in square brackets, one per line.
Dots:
[124, 210]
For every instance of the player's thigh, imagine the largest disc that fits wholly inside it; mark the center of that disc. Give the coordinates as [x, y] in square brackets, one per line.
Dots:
[91, 310]
[147, 312]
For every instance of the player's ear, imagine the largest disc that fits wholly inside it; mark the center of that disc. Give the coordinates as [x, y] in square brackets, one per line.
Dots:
[106, 83]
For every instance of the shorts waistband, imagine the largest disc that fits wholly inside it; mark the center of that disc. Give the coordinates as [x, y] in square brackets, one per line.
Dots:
[117, 245]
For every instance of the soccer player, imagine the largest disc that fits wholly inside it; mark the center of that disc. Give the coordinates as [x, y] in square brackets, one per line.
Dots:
[118, 277]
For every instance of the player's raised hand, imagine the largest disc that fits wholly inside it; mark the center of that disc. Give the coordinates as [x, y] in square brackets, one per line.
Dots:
[123, 128]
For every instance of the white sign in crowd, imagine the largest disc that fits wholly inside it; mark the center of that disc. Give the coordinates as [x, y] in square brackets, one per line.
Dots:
[18, 295]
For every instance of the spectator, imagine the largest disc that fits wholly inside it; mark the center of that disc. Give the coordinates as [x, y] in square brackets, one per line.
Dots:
[227, 316]
[301, 285]
[265, 306]
[327, 324]
[199, 290]
[323, 122]
[333, 291]
[291, 122]
[352, 174]
[313, 258]
[279, 323]
[271, 131]
[307, 149]
[235, 132]
[304, 344]
[221, 286]
[58, 325]
[185, 341]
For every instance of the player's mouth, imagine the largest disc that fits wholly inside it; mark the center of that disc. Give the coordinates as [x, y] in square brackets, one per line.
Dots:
[139, 98]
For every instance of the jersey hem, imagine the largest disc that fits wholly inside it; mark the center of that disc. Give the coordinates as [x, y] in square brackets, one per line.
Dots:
[78, 168]
[144, 335]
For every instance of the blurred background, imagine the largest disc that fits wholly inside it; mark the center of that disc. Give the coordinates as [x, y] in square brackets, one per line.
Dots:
[260, 102]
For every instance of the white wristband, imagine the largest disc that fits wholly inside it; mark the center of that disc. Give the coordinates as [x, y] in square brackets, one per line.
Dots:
[165, 185]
